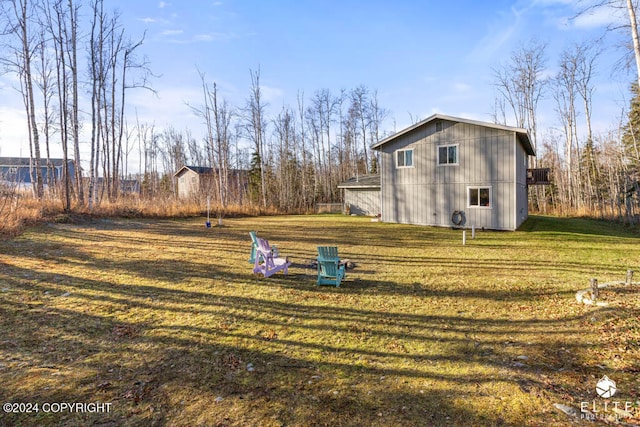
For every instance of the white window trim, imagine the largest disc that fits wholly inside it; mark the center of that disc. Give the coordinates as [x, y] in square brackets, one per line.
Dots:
[397, 152]
[478, 187]
[457, 163]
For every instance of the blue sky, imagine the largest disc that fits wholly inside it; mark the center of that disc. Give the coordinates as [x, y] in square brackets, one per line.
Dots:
[422, 57]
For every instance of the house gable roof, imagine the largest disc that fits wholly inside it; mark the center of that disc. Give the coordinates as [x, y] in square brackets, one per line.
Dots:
[25, 161]
[204, 170]
[200, 170]
[522, 134]
[362, 181]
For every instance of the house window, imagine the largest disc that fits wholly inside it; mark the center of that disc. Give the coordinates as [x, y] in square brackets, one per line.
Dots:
[12, 173]
[404, 158]
[448, 155]
[438, 126]
[479, 197]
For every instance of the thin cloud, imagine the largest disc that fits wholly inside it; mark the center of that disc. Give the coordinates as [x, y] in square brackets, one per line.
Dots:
[272, 95]
[499, 34]
[168, 106]
[598, 18]
[163, 4]
[572, 15]
[152, 20]
[203, 38]
[461, 87]
[172, 32]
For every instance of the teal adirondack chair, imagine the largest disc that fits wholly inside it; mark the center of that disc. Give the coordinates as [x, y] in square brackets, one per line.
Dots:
[254, 245]
[330, 270]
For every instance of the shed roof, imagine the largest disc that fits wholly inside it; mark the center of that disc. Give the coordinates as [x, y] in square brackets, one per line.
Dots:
[197, 169]
[522, 134]
[362, 181]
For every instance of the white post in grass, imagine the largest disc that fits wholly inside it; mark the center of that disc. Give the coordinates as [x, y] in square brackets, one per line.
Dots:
[473, 232]
[464, 237]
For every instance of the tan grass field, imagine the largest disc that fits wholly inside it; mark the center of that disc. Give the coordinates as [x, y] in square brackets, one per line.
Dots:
[164, 320]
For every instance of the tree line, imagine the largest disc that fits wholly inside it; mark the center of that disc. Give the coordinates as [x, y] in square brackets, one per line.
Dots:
[42, 42]
[293, 158]
[290, 161]
[591, 174]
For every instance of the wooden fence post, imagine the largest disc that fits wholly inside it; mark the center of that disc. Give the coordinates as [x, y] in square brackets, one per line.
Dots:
[629, 277]
[594, 289]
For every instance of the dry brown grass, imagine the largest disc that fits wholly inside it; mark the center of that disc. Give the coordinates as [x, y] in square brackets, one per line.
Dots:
[163, 319]
[20, 209]
[17, 211]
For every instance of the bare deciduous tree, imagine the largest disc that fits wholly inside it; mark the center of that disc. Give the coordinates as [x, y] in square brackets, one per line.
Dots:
[18, 16]
[521, 83]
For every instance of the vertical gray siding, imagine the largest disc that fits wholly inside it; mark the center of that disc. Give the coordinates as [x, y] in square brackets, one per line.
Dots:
[522, 207]
[362, 201]
[428, 193]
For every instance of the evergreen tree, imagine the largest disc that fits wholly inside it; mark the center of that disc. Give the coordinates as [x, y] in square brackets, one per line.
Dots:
[631, 144]
[631, 135]
[255, 178]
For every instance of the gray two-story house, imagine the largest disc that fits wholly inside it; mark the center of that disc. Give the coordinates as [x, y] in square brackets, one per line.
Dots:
[449, 171]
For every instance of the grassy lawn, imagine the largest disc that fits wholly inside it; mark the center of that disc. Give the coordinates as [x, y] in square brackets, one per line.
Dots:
[165, 321]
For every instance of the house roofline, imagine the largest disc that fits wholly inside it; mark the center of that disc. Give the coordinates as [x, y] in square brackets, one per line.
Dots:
[378, 186]
[193, 169]
[26, 161]
[204, 170]
[362, 182]
[523, 134]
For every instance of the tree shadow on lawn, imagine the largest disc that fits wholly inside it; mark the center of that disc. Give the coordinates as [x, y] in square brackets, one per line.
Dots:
[577, 226]
[294, 390]
[212, 260]
[361, 279]
[161, 362]
[144, 368]
[311, 233]
[310, 301]
[233, 243]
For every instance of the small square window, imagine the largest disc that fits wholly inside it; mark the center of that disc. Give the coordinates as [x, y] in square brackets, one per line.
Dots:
[438, 126]
[404, 158]
[479, 197]
[448, 155]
